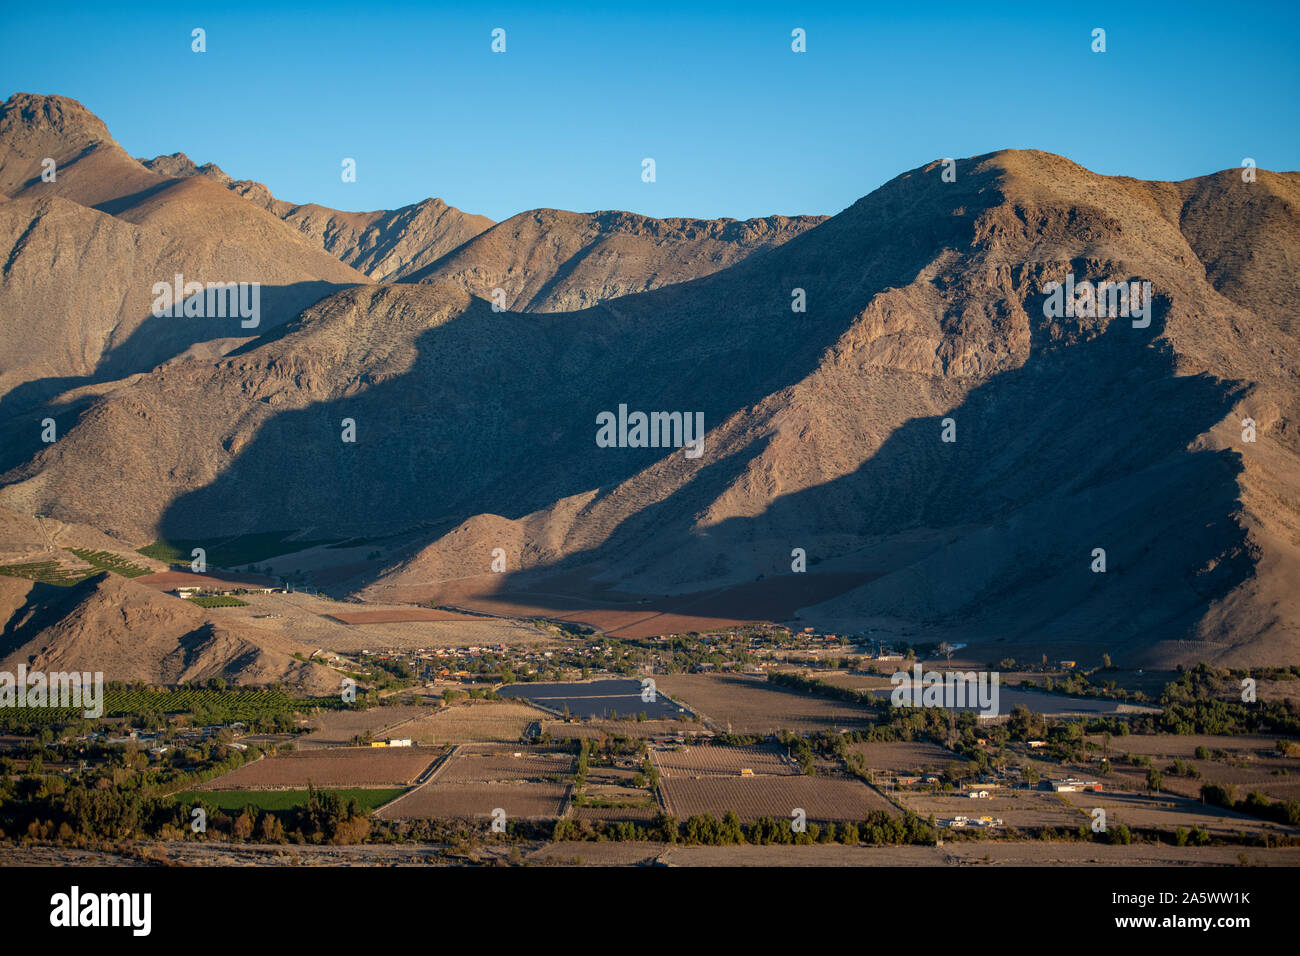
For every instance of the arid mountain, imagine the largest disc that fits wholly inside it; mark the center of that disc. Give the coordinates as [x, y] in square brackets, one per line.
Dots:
[81, 256]
[926, 302]
[544, 260]
[132, 633]
[387, 245]
[548, 260]
[90, 168]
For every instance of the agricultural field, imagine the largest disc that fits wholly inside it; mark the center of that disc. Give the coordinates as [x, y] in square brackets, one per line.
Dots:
[711, 760]
[485, 765]
[599, 699]
[474, 781]
[608, 794]
[613, 787]
[637, 814]
[107, 561]
[233, 801]
[748, 705]
[44, 572]
[595, 729]
[207, 706]
[822, 798]
[856, 681]
[471, 721]
[477, 801]
[1016, 808]
[908, 756]
[339, 768]
[217, 600]
[339, 727]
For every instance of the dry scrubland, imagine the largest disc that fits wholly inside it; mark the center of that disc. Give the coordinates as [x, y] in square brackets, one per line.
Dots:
[1251, 763]
[339, 768]
[314, 621]
[1140, 810]
[749, 705]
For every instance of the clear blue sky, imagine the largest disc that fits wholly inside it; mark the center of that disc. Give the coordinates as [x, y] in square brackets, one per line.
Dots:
[738, 124]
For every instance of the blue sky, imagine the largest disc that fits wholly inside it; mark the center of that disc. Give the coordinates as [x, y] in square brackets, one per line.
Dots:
[737, 123]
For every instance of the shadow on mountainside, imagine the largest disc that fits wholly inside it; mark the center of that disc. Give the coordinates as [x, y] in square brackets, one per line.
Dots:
[1085, 446]
[497, 412]
[155, 341]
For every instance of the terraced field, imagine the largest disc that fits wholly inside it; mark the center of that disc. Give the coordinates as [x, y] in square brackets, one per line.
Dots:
[107, 561]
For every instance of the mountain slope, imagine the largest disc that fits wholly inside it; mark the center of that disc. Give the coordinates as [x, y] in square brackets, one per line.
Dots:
[548, 260]
[80, 256]
[925, 302]
[386, 245]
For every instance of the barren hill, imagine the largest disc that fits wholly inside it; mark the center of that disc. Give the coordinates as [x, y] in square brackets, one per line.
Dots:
[132, 633]
[549, 260]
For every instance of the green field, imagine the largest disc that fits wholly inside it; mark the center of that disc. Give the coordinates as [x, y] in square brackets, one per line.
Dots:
[236, 800]
[233, 552]
[51, 572]
[218, 600]
[46, 572]
[106, 561]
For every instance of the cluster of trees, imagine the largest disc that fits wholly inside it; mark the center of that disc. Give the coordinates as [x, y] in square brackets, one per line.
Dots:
[1206, 700]
[801, 750]
[119, 798]
[707, 830]
[1256, 804]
